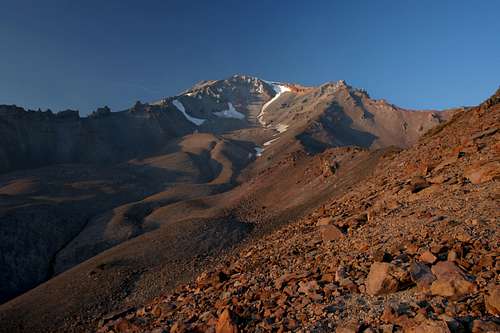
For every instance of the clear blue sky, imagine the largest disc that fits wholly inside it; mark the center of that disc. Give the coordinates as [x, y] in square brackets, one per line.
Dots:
[83, 54]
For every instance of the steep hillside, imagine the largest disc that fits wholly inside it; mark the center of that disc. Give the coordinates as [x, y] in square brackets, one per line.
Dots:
[57, 216]
[413, 248]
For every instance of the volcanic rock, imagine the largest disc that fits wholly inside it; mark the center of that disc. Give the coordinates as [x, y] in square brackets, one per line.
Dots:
[225, 323]
[450, 281]
[380, 281]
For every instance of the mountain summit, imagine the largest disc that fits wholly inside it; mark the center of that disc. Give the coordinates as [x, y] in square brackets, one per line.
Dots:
[240, 107]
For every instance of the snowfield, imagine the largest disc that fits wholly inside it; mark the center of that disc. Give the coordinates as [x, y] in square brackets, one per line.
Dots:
[267, 143]
[279, 89]
[180, 107]
[281, 128]
[230, 113]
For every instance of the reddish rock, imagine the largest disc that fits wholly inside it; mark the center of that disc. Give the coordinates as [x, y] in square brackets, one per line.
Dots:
[429, 326]
[324, 221]
[418, 183]
[178, 327]
[379, 280]
[439, 179]
[125, 326]
[427, 257]
[478, 174]
[421, 275]
[450, 281]
[492, 300]
[331, 233]
[480, 326]
[348, 328]
[225, 324]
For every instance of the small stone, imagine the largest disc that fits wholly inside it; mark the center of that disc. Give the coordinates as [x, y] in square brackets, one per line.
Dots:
[178, 327]
[439, 179]
[428, 257]
[418, 183]
[324, 221]
[452, 255]
[382, 256]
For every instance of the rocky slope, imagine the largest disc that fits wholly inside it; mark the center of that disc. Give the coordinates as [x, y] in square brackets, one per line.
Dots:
[413, 248]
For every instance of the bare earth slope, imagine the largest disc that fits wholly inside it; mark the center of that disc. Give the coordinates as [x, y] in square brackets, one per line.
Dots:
[413, 248]
[180, 245]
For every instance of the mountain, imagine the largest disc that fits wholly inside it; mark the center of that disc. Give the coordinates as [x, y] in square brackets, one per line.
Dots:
[412, 248]
[110, 210]
[242, 108]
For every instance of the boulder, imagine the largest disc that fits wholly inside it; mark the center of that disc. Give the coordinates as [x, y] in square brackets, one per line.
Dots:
[380, 281]
[330, 233]
[418, 183]
[427, 257]
[429, 326]
[348, 328]
[492, 300]
[324, 221]
[482, 173]
[421, 274]
[450, 282]
[225, 323]
[481, 326]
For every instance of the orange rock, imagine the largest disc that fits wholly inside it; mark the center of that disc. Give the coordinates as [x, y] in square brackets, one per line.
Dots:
[492, 301]
[330, 233]
[348, 328]
[480, 326]
[421, 275]
[225, 324]
[451, 281]
[324, 221]
[379, 280]
[429, 326]
[124, 326]
[427, 257]
[478, 174]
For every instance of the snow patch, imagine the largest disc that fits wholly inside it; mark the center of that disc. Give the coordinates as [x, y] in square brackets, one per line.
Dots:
[180, 107]
[160, 102]
[267, 143]
[279, 89]
[230, 113]
[258, 151]
[281, 128]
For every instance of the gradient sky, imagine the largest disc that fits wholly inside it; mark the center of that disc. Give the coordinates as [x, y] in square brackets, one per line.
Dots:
[62, 54]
